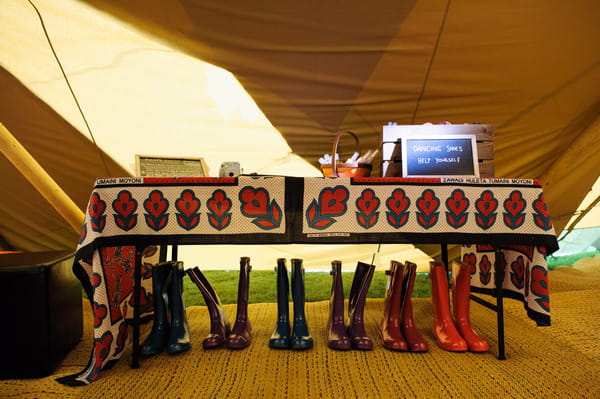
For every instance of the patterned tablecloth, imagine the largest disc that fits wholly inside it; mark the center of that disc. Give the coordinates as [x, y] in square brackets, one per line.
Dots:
[482, 214]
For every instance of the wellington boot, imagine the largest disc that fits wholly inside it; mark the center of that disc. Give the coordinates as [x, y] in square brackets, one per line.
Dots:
[356, 306]
[241, 334]
[415, 341]
[461, 290]
[301, 338]
[444, 330]
[390, 327]
[280, 339]
[179, 335]
[219, 325]
[157, 340]
[337, 337]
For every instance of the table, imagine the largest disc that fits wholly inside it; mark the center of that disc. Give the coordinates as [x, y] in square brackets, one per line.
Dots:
[127, 219]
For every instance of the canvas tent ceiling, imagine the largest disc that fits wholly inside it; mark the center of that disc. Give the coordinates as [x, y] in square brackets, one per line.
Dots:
[532, 69]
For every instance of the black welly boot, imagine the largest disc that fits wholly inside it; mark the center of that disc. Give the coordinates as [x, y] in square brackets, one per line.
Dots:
[301, 338]
[356, 306]
[241, 334]
[157, 340]
[179, 336]
[280, 339]
[219, 326]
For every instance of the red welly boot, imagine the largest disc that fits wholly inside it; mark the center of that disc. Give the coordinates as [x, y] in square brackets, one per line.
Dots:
[337, 338]
[356, 307]
[415, 341]
[461, 290]
[241, 333]
[391, 332]
[444, 331]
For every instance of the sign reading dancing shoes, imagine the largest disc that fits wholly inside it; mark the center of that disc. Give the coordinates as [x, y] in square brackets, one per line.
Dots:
[432, 156]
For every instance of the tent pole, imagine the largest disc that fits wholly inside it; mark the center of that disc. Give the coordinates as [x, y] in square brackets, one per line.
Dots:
[40, 179]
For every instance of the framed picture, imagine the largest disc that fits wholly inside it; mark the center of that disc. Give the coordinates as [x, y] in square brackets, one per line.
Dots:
[439, 155]
[165, 166]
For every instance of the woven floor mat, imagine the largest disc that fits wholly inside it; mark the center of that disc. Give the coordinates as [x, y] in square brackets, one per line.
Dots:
[583, 275]
[541, 362]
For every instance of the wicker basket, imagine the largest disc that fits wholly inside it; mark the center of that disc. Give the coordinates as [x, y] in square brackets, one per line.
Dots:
[345, 169]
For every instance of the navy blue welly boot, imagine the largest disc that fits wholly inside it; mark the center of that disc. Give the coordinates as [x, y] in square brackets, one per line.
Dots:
[179, 335]
[157, 340]
[301, 338]
[280, 339]
[241, 333]
[356, 306]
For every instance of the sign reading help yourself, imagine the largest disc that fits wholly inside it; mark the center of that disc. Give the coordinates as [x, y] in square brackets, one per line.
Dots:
[431, 156]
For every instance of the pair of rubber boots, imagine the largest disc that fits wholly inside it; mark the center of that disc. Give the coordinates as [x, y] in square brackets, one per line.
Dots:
[220, 332]
[453, 335]
[354, 336]
[167, 293]
[397, 328]
[299, 338]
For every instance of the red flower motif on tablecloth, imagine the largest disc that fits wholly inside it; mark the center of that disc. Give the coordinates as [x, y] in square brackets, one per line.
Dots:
[457, 205]
[517, 275]
[156, 205]
[96, 280]
[121, 339]
[485, 270]
[428, 204]
[397, 203]
[82, 233]
[367, 205]
[539, 287]
[101, 352]
[485, 248]
[332, 202]
[219, 206]
[541, 216]
[256, 204]
[96, 214]
[125, 206]
[527, 281]
[149, 251]
[188, 205]
[486, 206]
[526, 250]
[100, 313]
[514, 206]
[471, 260]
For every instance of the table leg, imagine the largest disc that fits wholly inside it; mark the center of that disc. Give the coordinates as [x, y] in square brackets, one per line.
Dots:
[137, 283]
[162, 253]
[444, 255]
[499, 278]
[174, 252]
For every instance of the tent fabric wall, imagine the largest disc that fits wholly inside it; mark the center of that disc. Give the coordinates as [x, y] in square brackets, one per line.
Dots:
[531, 69]
[28, 222]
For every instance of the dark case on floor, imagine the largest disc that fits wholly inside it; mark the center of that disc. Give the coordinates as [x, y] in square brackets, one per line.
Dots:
[40, 312]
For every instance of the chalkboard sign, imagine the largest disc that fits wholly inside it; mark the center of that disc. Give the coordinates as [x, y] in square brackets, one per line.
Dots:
[431, 156]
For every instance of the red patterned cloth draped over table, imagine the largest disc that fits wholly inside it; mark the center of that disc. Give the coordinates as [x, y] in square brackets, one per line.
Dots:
[145, 212]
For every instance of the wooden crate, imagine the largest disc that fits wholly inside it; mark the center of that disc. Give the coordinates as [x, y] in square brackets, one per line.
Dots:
[392, 154]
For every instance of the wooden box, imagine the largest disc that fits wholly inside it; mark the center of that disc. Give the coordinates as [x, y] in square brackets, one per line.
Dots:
[392, 154]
